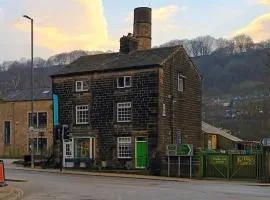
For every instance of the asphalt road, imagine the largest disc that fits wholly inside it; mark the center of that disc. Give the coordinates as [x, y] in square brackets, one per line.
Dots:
[43, 185]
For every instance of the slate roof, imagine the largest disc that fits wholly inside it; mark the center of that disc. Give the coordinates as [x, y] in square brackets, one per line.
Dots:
[25, 95]
[113, 61]
[207, 128]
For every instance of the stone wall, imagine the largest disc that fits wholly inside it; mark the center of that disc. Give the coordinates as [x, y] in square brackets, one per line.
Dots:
[102, 98]
[183, 109]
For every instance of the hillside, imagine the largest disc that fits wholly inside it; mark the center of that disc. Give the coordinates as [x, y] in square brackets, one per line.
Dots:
[235, 75]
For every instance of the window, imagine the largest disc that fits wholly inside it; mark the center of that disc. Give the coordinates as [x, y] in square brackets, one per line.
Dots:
[124, 82]
[40, 144]
[82, 114]
[124, 147]
[124, 112]
[164, 110]
[42, 119]
[34, 119]
[39, 119]
[7, 132]
[180, 83]
[84, 147]
[68, 150]
[81, 86]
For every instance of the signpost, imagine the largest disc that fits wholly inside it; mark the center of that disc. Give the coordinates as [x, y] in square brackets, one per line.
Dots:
[172, 150]
[180, 150]
[265, 142]
[185, 150]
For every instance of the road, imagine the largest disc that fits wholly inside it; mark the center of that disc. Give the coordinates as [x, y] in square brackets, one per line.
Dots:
[44, 185]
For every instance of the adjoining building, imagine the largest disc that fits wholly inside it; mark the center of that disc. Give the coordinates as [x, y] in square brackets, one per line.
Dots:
[220, 139]
[122, 108]
[15, 117]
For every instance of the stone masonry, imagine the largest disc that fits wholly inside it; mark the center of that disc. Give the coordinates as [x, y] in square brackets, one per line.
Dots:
[17, 113]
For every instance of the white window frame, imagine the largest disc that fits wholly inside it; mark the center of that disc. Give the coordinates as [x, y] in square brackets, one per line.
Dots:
[68, 147]
[125, 83]
[180, 83]
[163, 109]
[126, 142]
[124, 105]
[82, 110]
[81, 89]
[92, 146]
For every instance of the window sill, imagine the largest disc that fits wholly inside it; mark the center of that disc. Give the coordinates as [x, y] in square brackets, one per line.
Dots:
[124, 87]
[82, 91]
[86, 124]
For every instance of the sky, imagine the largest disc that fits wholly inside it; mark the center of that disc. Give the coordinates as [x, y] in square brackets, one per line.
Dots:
[66, 25]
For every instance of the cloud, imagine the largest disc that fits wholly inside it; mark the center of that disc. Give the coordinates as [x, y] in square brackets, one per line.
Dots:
[162, 20]
[264, 2]
[86, 29]
[1, 14]
[163, 14]
[258, 29]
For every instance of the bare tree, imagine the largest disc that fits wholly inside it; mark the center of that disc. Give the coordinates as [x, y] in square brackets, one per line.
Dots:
[207, 44]
[195, 47]
[242, 43]
[202, 45]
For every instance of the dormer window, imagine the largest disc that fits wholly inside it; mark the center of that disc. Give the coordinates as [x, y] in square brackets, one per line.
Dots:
[81, 86]
[124, 82]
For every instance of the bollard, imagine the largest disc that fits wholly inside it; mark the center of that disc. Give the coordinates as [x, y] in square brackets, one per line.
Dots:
[2, 174]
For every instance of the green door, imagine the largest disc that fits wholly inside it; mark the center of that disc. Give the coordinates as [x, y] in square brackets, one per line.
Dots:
[141, 154]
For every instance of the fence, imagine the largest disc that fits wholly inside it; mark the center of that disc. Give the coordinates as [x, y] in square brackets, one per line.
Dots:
[232, 165]
[160, 166]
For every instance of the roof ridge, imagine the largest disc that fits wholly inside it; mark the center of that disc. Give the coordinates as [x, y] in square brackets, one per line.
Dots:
[151, 49]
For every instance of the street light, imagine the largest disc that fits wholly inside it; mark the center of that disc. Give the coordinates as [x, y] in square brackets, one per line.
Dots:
[31, 77]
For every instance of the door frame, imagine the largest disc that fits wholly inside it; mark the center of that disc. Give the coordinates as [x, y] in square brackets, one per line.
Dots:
[70, 142]
[144, 141]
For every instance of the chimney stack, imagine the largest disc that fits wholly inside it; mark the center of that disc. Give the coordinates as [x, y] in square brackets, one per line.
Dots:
[142, 29]
[128, 43]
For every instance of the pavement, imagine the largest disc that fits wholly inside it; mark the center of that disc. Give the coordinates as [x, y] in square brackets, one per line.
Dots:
[131, 176]
[10, 193]
[44, 184]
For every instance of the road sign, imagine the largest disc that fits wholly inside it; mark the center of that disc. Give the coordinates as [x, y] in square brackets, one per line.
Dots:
[185, 150]
[172, 150]
[265, 142]
[219, 160]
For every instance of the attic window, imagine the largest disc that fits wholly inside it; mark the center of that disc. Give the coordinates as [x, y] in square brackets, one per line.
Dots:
[81, 86]
[124, 82]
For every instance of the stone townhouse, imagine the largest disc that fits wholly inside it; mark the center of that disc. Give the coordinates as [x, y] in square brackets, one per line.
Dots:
[124, 107]
[15, 115]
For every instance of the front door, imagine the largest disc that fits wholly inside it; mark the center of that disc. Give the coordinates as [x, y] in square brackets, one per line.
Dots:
[67, 151]
[141, 153]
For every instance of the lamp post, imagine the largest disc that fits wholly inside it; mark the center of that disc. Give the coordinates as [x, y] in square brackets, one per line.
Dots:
[31, 77]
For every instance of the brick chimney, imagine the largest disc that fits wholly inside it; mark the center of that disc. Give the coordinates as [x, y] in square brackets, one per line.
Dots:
[142, 29]
[128, 43]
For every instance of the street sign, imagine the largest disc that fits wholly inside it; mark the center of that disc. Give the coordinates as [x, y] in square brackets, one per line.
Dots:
[172, 150]
[219, 160]
[178, 137]
[246, 160]
[265, 142]
[185, 150]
